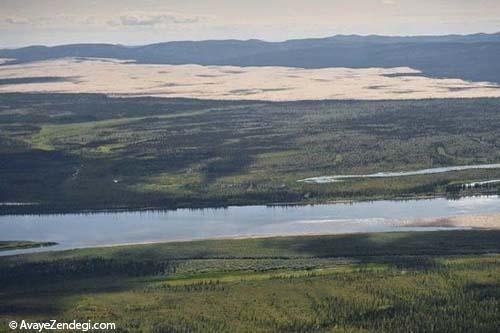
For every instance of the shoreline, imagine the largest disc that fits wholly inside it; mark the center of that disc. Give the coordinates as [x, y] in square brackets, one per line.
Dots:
[41, 209]
[454, 223]
[53, 248]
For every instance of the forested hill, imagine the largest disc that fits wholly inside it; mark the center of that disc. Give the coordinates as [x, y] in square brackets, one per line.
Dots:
[470, 57]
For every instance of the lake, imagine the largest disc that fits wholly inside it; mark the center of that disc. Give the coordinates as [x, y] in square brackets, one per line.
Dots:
[113, 228]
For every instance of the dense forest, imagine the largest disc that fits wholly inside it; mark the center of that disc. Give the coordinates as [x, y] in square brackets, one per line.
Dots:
[445, 281]
[63, 152]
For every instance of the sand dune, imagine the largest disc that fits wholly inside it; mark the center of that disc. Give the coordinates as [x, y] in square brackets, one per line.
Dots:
[485, 221]
[123, 78]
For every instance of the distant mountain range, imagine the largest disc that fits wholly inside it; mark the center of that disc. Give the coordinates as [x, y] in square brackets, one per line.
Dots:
[470, 57]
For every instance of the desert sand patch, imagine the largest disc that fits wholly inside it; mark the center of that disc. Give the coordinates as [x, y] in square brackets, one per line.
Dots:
[485, 221]
[125, 78]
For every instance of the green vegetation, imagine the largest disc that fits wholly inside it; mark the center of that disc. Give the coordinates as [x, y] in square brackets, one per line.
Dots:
[447, 281]
[87, 152]
[17, 245]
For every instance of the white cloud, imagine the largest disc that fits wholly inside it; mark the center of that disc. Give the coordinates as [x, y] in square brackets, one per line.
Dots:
[155, 19]
[146, 19]
[44, 21]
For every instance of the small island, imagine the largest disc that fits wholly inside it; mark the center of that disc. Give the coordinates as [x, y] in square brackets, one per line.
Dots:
[19, 245]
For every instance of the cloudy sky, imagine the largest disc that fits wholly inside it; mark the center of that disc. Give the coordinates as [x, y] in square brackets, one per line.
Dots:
[50, 22]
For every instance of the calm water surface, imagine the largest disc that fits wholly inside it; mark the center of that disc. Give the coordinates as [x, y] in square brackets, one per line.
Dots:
[98, 229]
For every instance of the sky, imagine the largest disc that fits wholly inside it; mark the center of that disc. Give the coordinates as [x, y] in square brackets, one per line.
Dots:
[134, 22]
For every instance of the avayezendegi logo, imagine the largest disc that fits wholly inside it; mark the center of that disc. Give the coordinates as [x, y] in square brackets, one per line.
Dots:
[55, 325]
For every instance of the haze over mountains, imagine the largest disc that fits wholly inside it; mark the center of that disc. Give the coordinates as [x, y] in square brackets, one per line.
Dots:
[469, 57]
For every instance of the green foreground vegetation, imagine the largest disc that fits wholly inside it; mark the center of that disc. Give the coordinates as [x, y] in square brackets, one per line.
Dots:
[447, 281]
[70, 152]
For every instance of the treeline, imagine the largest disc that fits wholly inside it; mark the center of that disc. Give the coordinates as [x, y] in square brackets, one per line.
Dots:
[81, 268]
[457, 188]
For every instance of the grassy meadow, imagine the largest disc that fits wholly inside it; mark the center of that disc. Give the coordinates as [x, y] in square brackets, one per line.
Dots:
[69, 152]
[446, 281]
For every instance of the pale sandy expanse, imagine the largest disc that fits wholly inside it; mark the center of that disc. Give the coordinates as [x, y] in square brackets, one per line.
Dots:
[122, 78]
[485, 221]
